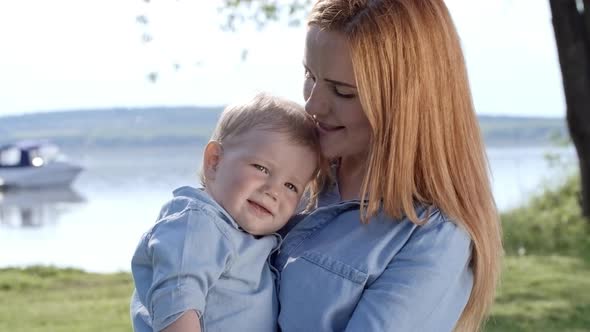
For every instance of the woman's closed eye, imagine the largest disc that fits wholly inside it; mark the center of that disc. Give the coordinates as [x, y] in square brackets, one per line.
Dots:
[261, 168]
[341, 92]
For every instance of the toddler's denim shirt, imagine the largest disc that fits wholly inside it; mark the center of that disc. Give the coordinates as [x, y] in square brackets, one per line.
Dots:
[197, 258]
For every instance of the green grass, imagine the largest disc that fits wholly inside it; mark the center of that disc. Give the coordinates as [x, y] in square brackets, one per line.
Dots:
[538, 293]
[50, 299]
[546, 277]
[542, 293]
[545, 282]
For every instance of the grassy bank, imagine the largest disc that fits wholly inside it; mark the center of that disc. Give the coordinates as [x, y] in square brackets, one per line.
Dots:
[538, 293]
[543, 293]
[49, 299]
[546, 277]
[545, 286]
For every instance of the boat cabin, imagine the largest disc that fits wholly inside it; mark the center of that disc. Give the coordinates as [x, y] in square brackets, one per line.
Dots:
[27, 154]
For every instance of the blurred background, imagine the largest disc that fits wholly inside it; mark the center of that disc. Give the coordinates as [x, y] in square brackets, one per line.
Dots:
[129, 91]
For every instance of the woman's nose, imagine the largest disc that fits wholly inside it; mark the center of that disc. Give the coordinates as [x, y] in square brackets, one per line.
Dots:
[315, 103]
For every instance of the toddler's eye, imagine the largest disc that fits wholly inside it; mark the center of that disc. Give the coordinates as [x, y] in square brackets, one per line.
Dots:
[291, 187]
[261, 168]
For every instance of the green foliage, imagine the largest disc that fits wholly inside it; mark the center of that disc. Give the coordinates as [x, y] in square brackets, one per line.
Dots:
[551, 223]
[262, 12]
[546, 273]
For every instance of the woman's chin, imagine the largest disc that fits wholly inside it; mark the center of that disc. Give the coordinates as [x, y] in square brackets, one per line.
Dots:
[330, 154]
[330, 149]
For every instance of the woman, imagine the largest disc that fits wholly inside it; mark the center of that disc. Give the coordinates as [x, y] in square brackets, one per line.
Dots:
[387, 84]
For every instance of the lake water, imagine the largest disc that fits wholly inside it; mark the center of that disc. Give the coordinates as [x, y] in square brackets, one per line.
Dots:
[96, 224]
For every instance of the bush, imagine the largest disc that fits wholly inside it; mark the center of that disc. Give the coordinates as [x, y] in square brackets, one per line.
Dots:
[551, 223]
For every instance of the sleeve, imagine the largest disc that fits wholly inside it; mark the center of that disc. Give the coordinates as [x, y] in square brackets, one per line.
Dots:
[424, 288]
[189, 254]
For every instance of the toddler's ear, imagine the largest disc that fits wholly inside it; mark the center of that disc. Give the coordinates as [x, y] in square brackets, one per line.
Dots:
[211, 158]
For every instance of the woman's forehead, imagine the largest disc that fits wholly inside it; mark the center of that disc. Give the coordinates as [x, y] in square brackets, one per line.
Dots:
[327, 55]
[319, 39]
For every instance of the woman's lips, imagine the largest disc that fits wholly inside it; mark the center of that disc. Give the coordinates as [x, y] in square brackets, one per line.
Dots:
[328, 128]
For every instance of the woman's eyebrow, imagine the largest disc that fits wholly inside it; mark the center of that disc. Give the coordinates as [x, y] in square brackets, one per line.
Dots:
[335, 82]
[340, 83]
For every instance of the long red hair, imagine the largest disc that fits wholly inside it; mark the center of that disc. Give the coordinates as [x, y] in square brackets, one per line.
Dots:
[413, 87]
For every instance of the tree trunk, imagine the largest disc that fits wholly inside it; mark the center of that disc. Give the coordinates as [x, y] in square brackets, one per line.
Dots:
[572, 32]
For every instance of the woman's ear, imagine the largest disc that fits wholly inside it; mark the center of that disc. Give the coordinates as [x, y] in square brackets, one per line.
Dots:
[211, 159]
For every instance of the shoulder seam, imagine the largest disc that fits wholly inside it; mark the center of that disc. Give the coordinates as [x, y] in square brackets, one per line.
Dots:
[215, 219]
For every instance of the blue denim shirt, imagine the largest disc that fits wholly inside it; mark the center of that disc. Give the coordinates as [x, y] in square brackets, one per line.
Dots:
[338, 274]
[196, 257]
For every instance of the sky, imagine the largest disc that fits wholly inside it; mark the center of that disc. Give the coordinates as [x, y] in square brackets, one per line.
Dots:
[89, 54]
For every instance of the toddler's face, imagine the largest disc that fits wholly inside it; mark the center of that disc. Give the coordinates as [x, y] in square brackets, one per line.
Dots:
[259, 178]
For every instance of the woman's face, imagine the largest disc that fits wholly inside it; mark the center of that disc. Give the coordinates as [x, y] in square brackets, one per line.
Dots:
[331, 95]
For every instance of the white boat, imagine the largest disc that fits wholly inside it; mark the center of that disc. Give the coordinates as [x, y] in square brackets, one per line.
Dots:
[34, 164]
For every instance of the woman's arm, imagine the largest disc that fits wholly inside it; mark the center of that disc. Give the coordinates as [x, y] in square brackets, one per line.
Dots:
[188, 322]
[424, 288]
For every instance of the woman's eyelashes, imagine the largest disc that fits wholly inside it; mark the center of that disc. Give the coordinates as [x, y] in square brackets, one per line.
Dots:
[342, 93]
[336, 89]
[308, 75]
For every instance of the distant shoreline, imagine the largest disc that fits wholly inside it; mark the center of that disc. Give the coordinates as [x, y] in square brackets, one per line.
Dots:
[164, 126]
